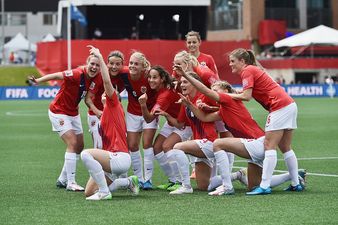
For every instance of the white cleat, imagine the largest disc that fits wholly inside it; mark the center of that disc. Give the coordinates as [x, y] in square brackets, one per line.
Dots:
[134, 186]
[222, 191]
[243, 178]
[100, 196]
[182, 190]
[74, 187]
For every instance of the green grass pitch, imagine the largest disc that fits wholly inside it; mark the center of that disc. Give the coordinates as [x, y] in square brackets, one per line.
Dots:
[32, 157]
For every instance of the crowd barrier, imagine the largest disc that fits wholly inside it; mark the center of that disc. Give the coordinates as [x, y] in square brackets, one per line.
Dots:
[47, 92]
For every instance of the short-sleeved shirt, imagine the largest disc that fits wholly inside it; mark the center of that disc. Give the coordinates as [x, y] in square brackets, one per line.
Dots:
[113, 126]
[207, 60]
[134, 89]
[166, 100]
[207, 76]
[98, 90]
[73, 88]
[237, 118]
[264, 89]
[200, 130]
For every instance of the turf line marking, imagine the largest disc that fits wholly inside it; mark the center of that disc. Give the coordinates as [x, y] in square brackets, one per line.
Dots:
[300, 159]
[312, 174]
[20, 113]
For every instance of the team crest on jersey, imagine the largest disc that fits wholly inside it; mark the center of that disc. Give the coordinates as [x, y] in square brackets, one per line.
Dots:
[244, 83]
[134, 93]
[203, 63]
[93, 123]
[68, 73]
[143, 89]
[61, 122]
[92, 86]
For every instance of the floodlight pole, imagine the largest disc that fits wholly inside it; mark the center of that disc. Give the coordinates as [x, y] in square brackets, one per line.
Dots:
[3, 30]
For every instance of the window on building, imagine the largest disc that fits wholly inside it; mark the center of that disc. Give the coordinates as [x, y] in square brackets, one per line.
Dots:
[226, 14]
[48, 19]
[18, 19]
[319, 12]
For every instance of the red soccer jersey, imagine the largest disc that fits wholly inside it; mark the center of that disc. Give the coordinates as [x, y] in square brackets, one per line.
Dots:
[200, 130]
[113, 126]
[98, 90]
[264, 89]
[237, 118]
[166, 101]
[207, 60]
[73, 88]
[207, 76]
[134, 89]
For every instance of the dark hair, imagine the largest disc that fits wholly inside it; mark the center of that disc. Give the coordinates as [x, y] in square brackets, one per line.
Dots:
[193, 33]
[116, 53]
[168, 81]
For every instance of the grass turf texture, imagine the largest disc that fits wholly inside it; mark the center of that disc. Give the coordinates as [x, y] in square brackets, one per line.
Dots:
[32, 157]
[16, 75]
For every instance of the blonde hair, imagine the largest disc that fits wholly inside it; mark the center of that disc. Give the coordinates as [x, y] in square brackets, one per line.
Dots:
[187, 58]
[247, 55]
[143, 59]
[224, 85]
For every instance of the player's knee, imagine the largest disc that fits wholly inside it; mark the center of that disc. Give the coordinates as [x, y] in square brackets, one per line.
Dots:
[218, 144]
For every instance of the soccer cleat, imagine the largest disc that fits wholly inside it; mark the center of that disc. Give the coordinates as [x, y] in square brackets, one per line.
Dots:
[182, 190]
[296, 188]
[147, 185]
[74, 187]
[302, 177]
[174, 187]
[243, 178]
[193, 174]
[260, 191]
[134, 185]
[100, 196]
[61, 184]
[222, 191]
[140, 184]
[165, 186]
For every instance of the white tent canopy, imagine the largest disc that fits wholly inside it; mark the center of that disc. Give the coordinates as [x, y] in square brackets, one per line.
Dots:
[19, 43]
[320, 35]
[48, 37]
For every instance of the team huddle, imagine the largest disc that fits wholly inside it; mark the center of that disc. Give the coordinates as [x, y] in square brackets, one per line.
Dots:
[206, 124]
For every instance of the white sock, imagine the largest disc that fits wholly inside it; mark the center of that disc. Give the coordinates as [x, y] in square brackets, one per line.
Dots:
[231, 158]
[269, 164]
[279, 179]
[223, 168]
[148, 163]
[192, 160]
[70, 162]
[215, 182]
[136, 162]
[292, 164]
[119, 183]
[97, 139]
[95, 171]
[176, 175]
[163, 161]
[63, 174]
[183, 165]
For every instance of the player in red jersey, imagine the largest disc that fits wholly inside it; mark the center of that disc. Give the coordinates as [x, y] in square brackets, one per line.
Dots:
[94, 97]
[64, 115]
[105, 166]
[201, 147]
[193, 42]
[166, 100]
[248, 141]
[281, 120]
[136, 84]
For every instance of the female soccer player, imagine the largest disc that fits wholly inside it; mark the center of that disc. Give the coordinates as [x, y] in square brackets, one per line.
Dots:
[136, 84]
[249, 137]
[201, 145]
[166, 100]
[64, 114]
[280, 122]
[114, 160]
[93, 98]
[193, 42]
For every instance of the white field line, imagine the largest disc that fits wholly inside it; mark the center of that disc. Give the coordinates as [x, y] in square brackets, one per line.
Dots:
[302, 159]
[27, 113]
